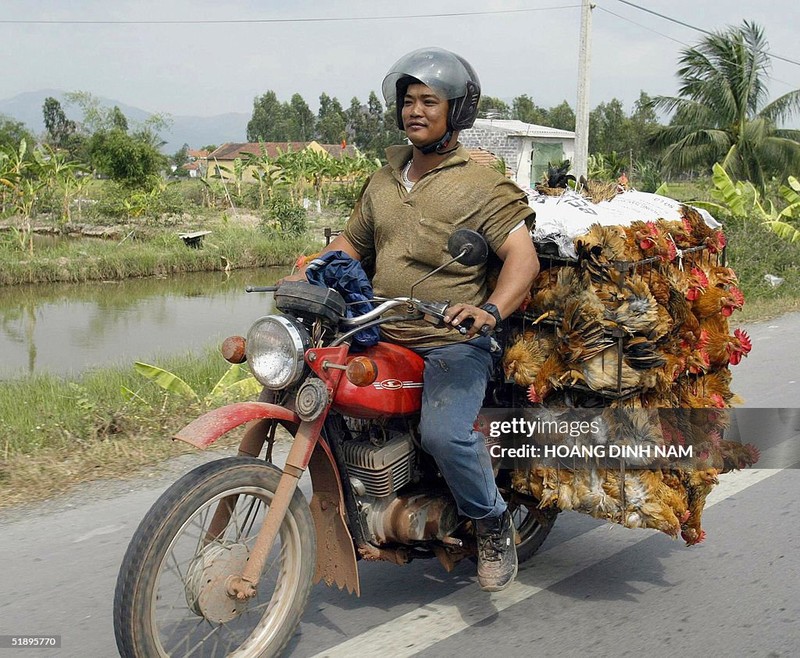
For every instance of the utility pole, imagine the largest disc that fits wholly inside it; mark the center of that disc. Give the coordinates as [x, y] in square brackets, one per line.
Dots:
[581, 164]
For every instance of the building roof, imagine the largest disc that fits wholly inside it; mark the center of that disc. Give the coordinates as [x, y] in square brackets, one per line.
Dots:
[516, 127]
[230, 151]
[200, 154]
[486, 158]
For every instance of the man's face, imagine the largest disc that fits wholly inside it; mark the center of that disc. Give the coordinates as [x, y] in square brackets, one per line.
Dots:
[424, 115]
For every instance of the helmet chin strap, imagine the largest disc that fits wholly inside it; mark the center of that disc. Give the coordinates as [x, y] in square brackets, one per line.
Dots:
[439, 145]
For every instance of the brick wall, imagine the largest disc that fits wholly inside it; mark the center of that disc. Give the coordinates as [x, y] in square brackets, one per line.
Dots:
[496, 141]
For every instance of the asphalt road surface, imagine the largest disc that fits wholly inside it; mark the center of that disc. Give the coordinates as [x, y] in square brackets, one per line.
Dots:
[594, 589]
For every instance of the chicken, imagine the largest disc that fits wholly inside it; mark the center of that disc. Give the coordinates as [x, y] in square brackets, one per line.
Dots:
[642, 354]
[600, 372]
[602, 244]
[646, 240]
[716, 384]
[584, 331]
[698, 485]
[724, 349]
[718, 300]
[549, 377]
[697, 283]
[679, 233]
[637, 313]
[695, 225]
[551, 289]
[523, 359]
[721, 277]
[736, 456]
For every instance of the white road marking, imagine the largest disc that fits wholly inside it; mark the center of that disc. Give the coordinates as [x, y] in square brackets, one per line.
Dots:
[436, 621]
[99, 532]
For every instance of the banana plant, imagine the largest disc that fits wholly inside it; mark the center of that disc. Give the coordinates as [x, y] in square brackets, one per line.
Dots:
[742, 199]
[236, 381]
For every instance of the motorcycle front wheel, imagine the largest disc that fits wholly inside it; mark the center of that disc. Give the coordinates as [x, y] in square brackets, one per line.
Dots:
[170, 598]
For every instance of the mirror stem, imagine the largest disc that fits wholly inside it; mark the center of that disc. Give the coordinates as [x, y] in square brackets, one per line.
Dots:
[464, 251]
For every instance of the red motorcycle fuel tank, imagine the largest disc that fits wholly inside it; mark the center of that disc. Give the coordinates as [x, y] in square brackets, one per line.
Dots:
[396, 391]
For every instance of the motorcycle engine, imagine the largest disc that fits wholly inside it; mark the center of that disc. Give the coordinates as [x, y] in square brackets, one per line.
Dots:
[377, 473]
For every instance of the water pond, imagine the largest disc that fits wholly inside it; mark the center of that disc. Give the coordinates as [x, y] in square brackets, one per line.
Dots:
[66, 329]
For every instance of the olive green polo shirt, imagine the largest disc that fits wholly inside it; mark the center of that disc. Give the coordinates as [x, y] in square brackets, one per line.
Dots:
[406, 233]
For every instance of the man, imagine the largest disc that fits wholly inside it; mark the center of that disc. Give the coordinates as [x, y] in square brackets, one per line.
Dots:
[402, 220]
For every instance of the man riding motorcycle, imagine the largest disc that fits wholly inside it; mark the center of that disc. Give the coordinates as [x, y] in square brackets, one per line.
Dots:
[401, 222]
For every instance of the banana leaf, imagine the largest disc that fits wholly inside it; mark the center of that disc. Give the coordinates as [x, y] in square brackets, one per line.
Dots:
[165, 379]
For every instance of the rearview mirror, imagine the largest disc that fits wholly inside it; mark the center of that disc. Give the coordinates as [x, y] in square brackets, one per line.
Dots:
[468, 247]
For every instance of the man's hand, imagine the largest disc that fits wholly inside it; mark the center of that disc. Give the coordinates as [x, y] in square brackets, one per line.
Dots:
[300, 275]
[457, 313]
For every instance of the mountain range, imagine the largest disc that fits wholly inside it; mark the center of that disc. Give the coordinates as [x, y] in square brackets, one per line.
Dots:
[195, 131]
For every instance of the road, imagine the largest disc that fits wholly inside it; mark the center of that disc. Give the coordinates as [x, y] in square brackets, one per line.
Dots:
[594, 589]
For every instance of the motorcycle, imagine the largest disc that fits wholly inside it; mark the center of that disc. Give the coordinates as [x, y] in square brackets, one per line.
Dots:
[224, 561]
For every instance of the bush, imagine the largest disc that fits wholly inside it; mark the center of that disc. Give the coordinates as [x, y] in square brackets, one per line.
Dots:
[284, 216]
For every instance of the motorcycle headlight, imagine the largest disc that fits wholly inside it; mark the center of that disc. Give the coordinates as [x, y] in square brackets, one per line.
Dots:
[275, 350]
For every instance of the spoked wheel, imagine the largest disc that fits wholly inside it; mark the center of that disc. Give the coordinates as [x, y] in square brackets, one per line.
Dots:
[532, 524]
[171, 597]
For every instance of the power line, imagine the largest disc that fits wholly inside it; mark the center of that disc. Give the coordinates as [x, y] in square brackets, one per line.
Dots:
[644, 27]
[698, 29]
[243, 21]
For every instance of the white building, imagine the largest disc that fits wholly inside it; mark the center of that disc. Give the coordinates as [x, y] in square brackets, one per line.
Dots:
[525, 147]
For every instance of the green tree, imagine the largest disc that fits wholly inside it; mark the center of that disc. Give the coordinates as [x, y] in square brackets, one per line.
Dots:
[59, 128]
[642, 126]
[118, 119]
[524, 109]
[301, 119]
[331, 120]
[561, 116]
[493, 108]
[607, 127]
[722, 111]
[268, 121]
[125, 158]
[12, 132]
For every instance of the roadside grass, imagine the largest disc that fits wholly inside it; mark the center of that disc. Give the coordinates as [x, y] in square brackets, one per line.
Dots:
[55, 433]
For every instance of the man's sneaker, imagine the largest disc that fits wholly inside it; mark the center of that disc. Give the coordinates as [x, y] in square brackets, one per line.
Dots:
[497, 552]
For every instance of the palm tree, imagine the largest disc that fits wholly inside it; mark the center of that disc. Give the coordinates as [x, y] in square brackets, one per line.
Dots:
[722, 113]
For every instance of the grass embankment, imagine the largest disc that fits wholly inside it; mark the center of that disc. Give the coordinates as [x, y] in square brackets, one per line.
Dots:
[56, 433]
[153, 252]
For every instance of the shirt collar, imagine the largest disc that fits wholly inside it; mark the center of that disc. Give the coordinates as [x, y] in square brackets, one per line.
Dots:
[398, 156]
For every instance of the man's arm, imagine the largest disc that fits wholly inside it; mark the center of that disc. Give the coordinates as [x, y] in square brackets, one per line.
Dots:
[520, 267]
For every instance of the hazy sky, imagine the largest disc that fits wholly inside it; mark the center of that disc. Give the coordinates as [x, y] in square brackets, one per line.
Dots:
[206, 69]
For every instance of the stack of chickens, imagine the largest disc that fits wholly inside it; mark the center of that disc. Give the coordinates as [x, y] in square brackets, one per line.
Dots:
[639, 321]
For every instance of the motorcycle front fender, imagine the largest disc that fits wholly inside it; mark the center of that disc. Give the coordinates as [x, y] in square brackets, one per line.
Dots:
[209, 427]
[336, 559]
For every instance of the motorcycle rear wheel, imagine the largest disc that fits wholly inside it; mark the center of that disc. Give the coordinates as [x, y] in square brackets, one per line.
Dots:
[169, 599]
[532, 525]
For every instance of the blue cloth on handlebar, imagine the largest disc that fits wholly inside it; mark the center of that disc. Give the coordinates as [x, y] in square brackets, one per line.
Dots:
[344, 274]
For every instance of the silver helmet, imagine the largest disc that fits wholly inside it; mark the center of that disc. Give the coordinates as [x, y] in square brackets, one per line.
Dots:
[448, 74]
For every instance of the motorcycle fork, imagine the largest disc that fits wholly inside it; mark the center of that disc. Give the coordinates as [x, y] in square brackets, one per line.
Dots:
[328, 365]
[244, 586]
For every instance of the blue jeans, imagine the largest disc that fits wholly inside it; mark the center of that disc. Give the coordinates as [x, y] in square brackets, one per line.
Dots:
[455, 379]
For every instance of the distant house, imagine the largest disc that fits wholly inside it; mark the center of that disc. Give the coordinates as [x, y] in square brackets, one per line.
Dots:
[225, 155]
[196, 162]
[525, 147]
